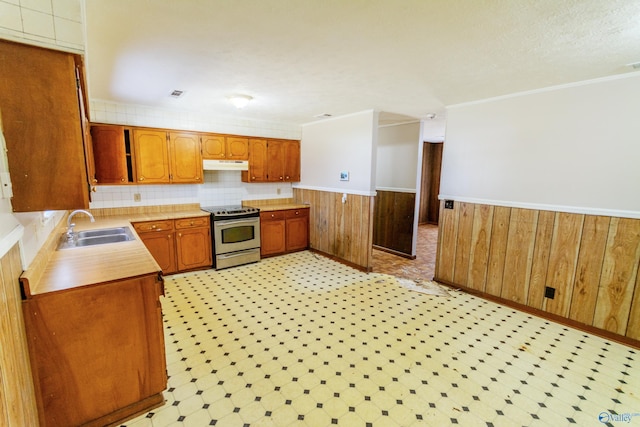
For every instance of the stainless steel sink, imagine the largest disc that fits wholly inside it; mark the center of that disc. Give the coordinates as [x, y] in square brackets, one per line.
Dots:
[96, 237]
[102, 232]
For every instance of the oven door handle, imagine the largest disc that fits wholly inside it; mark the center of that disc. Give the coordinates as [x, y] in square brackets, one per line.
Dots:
[233, 255]
[233, 222]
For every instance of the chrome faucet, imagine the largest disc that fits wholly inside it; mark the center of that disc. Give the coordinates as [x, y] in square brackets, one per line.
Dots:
[70, 225]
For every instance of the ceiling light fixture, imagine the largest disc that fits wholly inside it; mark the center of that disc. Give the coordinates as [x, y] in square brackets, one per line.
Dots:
[240, 101]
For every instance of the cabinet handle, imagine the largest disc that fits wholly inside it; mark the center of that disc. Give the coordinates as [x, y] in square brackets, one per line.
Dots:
[168, 236]
[273, 215]
[141, 178]
[122, 179]
[154, 227]
[253, 178]
[287, 177]
[179, 234]
[297, 212]
[95, 180]
[191, 223]
[280, 178]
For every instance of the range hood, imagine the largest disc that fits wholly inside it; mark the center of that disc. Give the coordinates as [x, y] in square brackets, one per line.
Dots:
[225, 165]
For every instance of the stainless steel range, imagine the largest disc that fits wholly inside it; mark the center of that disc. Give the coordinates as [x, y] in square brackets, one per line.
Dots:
[235, 232]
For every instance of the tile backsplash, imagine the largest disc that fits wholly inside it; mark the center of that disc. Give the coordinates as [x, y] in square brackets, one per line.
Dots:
[219, 188]
[56, 24]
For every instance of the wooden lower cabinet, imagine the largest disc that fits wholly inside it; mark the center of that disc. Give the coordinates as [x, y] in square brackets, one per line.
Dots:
[193, 243]
[97, 352]
[178, 245]
[159, 238]
[284, 231]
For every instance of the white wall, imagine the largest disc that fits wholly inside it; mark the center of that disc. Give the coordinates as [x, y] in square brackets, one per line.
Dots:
[346, 143]
[397, 157]
[574, 148]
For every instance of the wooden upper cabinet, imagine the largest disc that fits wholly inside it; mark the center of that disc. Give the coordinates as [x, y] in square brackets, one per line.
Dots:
[221, 147]
[110, 155]
[291, 155]
[257, 161]
[237, 148]
[213, 147]
[151, 156]
[185, 157]
[273, 160]
[41, 119]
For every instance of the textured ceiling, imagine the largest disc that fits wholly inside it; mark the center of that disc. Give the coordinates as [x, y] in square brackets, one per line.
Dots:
[302, 58]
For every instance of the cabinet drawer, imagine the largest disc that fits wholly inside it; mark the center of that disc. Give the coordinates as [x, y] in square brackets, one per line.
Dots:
[192, 222]
[296, 213]
[271, 216]
[144, 227]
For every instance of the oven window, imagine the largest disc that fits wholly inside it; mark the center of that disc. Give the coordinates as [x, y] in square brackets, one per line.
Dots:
[238, 234]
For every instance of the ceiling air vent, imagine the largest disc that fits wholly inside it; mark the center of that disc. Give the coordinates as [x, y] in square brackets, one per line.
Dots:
[323, 116]
[177, 93]
[635, 65]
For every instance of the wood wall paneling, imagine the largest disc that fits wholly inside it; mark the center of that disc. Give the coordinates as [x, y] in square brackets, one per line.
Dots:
[592, 262]
[498, 249]
[343, 230]
[480, 243]
[563, 258]
[540, 261]
[589, 268]
[17, 394]
[447, 240]
[619, 272]
[519, 254]
[463, 243]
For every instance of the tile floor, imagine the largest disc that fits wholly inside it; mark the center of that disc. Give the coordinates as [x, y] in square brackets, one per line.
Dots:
[300, 340]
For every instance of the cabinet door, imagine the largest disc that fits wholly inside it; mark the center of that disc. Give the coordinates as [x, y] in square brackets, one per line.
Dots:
[272, 237]
[297, 229]
[257, 161]
[109, 154]
[275, 160]
[162, 247]
[42, 129]
[96, 350]
[292, 161]
[237, 148]
[213, 147]
[194, 248]
[186, 158]
[151, 156]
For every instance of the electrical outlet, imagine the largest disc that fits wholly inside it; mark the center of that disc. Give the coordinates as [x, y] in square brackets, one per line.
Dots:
[137, 197]
[549, 292]
[448, 204]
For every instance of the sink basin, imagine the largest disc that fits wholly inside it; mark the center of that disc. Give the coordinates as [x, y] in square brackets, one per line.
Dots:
[102, 232]
[101, 240]
[97, 237]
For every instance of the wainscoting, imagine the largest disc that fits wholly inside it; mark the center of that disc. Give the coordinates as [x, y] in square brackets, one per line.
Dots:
[341, 230]
[17, 396]
[589, 263]
[393, 221]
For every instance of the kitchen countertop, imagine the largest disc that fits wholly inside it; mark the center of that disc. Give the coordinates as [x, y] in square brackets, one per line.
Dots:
[91, 265]
[282, 207]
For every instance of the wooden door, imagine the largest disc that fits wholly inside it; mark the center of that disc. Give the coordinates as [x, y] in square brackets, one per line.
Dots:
[257, 161]
[162, 247]
[42, 128]
[275, 160]
[185, 158]
[151, 156]
[237, 148]
[429, 209]
[297, 229]
[193, 248]
[292, 161]
[213, 147]
[109, 154]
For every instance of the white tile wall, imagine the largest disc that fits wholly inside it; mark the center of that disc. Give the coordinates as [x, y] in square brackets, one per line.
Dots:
[220, 187]
[51, 23]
